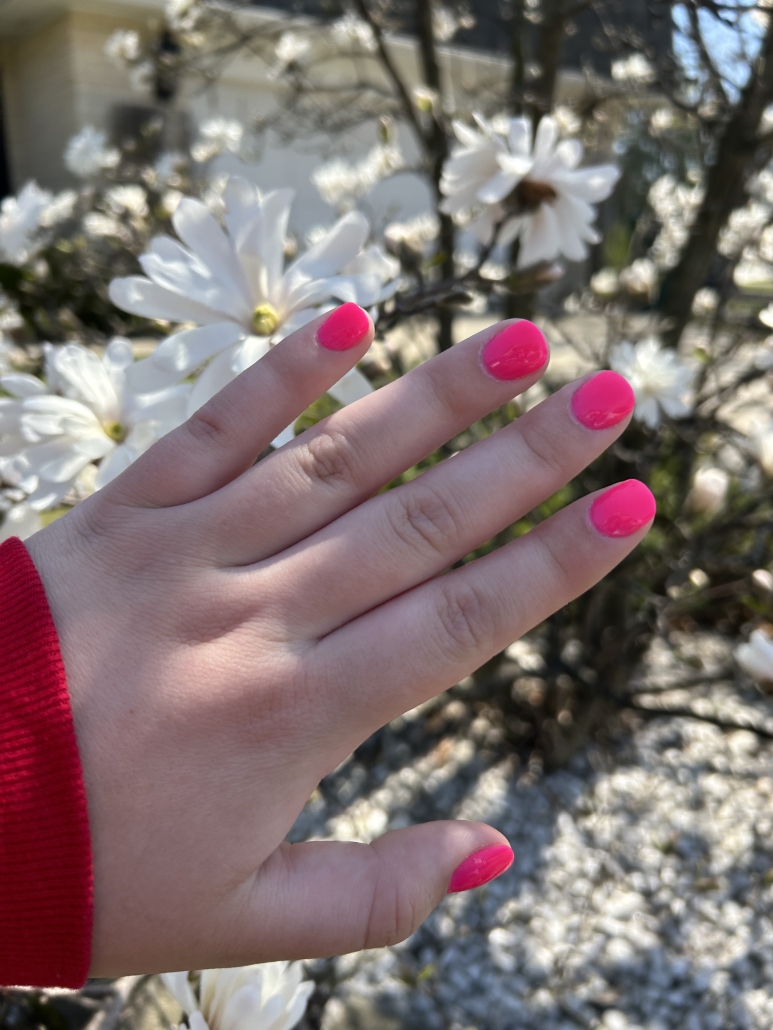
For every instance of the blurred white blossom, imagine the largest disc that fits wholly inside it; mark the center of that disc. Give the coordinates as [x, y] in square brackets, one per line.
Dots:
[640, 278]
[143, 76]
[130, 198]
[20, 221]
[231, 285]
[705, 303]
[123, 46]
[168, 167]
[87, 412]
[183, 15]
[418, 233]
[744, 226]
[708, 493]
[88, 154]
[530, 190]
[605, 283]
[341, 184]
[567, 120]
[96, 223]
[350, 32]
[424, 98]
[660, 379]
[291, 48]
[756, 657]
[218, 136]
[636, 70]
[271, 996]
[662, 120]
[676, 206]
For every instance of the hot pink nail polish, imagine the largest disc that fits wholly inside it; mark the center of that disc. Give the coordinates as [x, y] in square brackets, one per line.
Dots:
[623, 509]
[603, 401]
[517, 351]
[480, 867]
[343, 328]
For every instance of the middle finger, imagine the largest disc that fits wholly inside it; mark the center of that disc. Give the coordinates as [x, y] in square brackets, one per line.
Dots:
[397, 540]
[347, 457]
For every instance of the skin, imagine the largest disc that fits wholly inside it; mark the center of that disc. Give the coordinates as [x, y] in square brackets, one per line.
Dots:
[232, 631]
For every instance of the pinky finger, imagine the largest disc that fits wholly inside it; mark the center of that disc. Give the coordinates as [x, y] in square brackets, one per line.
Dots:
[432, 636]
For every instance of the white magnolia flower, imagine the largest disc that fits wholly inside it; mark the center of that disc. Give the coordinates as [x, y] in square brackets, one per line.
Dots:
[349, 31]
[756, 657]
[445, 24]
[218, 136]
[640, 278]
[123, 47]
[291, 48]
[708, 493]
[271, 996]
[676, 206]
[341, 184]
[232, 286]
[60, 209]
[705, 303]
[662, 120]
[87, 412]
[88, 154]
[605, 283]
[536, 194]
[20, 221]
[661, 381]
[131, 199]
[635, 70]
[183, 15]
[568, 121]
[744, 226]
[418, 233]
[97, 224]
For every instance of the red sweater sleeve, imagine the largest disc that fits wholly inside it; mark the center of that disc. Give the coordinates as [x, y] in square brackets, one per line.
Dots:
[45, 848]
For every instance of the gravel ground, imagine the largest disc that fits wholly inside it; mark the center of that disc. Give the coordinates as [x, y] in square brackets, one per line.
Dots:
[642, 890]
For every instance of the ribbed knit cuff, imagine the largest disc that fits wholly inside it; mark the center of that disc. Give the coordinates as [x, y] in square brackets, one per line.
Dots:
[45, 848]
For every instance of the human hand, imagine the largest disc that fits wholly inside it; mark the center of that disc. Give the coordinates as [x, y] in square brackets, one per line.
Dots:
[231, 632]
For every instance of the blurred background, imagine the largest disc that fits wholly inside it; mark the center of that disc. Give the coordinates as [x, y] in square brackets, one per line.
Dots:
[600, 166]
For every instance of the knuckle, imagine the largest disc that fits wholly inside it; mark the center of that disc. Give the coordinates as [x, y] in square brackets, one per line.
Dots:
[545, 451]
[421, 516]
[560, 569]
[330, 458]
[394, 915]
[207, 426]
[467, 619]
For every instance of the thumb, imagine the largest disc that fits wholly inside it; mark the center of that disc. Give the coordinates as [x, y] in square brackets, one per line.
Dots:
[329, 898]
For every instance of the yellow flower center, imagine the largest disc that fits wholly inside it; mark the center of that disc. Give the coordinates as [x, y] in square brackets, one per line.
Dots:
[264, 320]
[115, 431]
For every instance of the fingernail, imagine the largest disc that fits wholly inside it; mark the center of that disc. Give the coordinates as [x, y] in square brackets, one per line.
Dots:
[603, 401]
[343, 328]
[480, 867]
[517, 351]
[623, 509]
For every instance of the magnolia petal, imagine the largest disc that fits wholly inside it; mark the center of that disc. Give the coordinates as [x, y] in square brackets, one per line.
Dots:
[140, 296]
[519, 136]
[546, 138]
[218, 373]
[336, 249]
[498, 187]
[172, 267]
[19, 384]
[178, 355]
[352, 387]
[114, 464]
[286, 436]
[200, 231]
[242, 1008]
[87, 380]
